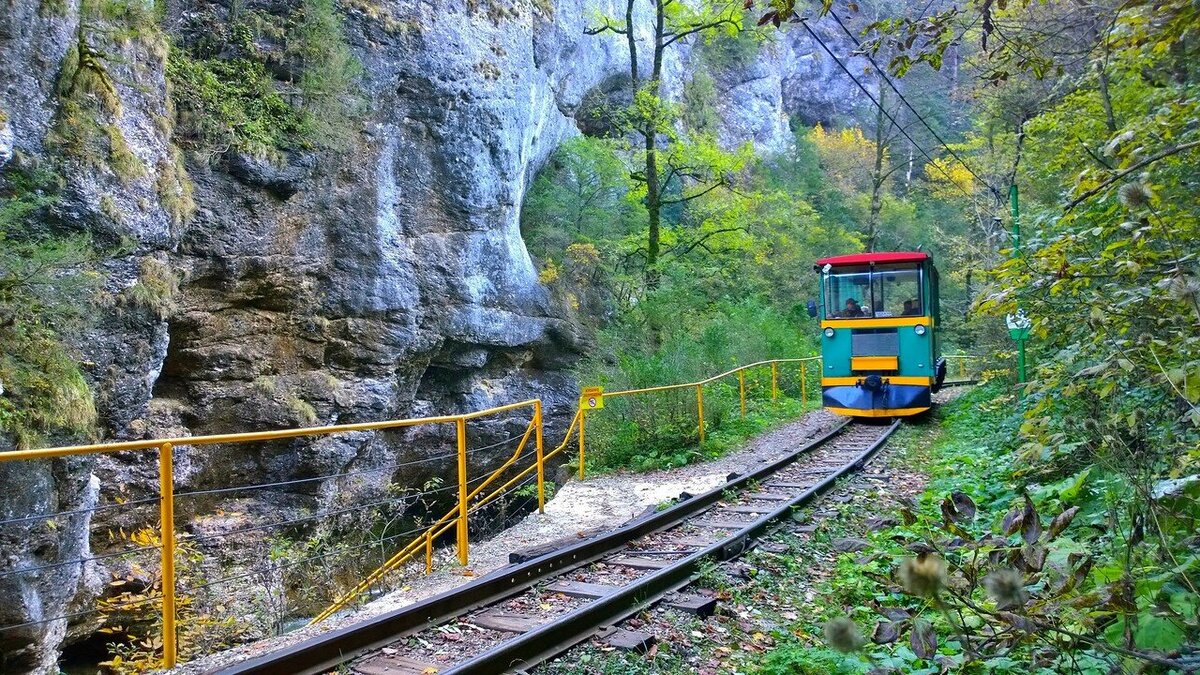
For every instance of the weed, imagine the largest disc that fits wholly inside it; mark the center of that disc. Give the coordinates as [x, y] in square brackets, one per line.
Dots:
[155, 289]
[302, 410]
[265, 384]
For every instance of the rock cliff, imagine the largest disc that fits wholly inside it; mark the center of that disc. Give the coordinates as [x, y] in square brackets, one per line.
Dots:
[383, 277]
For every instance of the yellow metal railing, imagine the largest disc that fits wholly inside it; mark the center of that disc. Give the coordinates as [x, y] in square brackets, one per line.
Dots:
[699, 385]
[961, 362]
[165, 447]
[470, 497]
[424, 542]
[458, 515]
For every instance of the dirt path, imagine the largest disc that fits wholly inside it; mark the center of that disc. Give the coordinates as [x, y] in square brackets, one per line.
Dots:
[597, 503]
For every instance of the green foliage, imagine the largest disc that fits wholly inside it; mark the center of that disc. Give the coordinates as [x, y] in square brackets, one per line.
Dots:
[154, 290]
[43, 294]
[723, 51]
[796, 659]
[1025, 577]
[699, 113]
[660, 430]
[226, 97]
[231, 103]
[330, 73]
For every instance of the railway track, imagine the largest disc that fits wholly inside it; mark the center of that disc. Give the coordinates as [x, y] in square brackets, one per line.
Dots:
[525, 613]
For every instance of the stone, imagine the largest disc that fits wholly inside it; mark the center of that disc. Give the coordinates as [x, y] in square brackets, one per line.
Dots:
[850, 544]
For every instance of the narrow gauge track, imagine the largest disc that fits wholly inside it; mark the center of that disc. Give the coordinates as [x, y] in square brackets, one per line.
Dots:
[503, 622]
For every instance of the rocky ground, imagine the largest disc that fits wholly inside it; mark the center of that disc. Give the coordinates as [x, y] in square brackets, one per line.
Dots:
[579, 507]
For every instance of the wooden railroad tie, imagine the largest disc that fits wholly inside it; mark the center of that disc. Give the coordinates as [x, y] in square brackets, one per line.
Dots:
[733, 525]
[395, 665]
[769, 497]
[639, 563]
[581, 589]
[700, 605]
[747, 508]
[506, 622]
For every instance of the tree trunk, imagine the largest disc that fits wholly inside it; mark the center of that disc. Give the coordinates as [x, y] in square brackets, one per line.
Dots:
[653, 208]
[1109, 119]
[877, 177]
[650, 135]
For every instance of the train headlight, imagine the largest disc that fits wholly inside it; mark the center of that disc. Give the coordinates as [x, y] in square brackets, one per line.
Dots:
[919, 329]
[828, 332]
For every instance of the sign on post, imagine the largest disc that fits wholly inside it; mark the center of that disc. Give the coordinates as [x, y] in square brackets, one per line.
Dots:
[592, 398]
[1018, 325]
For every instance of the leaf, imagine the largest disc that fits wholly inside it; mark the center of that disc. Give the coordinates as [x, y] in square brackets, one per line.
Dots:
[1031, 526]
[964, 504]
[1013, 520]
[896, 614]
[923, 639]
[1034, 556]
[1061, 521]
[1017, 621]
[1158, 633]
[886, 632]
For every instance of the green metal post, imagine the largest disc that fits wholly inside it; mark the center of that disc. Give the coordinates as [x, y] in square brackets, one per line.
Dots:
[1016, 253]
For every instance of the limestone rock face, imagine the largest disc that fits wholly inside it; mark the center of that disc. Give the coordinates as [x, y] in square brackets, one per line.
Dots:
[382, 281]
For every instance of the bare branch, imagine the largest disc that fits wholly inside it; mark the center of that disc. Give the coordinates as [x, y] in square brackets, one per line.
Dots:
[700, 242]
[1120, 175]
[689, 198]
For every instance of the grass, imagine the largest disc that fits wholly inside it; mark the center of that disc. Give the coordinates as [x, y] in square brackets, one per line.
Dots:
[641, 440]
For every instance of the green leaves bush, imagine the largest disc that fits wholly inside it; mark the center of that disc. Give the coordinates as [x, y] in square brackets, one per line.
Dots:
[43, 292]
[226, 97]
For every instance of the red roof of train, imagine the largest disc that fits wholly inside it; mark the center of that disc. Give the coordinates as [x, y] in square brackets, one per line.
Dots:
[864, 258]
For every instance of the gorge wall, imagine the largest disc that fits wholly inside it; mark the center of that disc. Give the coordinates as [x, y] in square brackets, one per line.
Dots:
[385, 278]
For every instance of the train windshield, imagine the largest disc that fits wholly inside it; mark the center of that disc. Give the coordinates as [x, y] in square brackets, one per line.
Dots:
[858, 292]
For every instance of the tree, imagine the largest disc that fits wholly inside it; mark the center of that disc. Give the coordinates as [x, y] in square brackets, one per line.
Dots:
[650, 116]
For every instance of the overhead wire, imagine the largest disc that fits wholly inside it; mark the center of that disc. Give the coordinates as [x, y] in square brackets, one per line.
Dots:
[883, 110]
[920, 118]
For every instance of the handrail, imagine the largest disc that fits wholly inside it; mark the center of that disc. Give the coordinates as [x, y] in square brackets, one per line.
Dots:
[470, 499]
[255, 436]
[714, 378]
[442, 525]
[166, 446]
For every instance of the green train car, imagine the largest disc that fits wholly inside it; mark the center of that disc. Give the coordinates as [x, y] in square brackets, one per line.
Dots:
[879, 314]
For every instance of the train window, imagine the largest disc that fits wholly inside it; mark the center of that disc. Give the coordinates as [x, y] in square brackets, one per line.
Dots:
[859, 292]
[848, 292]
[896, 291]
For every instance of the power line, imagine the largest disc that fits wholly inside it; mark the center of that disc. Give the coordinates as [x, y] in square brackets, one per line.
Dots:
[920, 118]
[883, 110]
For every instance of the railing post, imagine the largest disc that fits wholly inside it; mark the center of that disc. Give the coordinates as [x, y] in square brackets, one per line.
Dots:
[461, 428]
[166, 510]
[428, 550]
[700, 409]
[803, 382]
[774, 381]
[582, 418]
[742, 390]
[541, 466]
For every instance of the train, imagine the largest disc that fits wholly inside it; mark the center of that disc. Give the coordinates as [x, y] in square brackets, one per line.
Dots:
[879, 317]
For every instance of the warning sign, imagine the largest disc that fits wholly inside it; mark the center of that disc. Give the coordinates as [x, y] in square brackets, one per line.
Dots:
[592, 398]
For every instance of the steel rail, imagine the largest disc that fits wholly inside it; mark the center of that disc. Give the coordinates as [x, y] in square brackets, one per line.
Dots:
[539, 644]
[324, 652]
